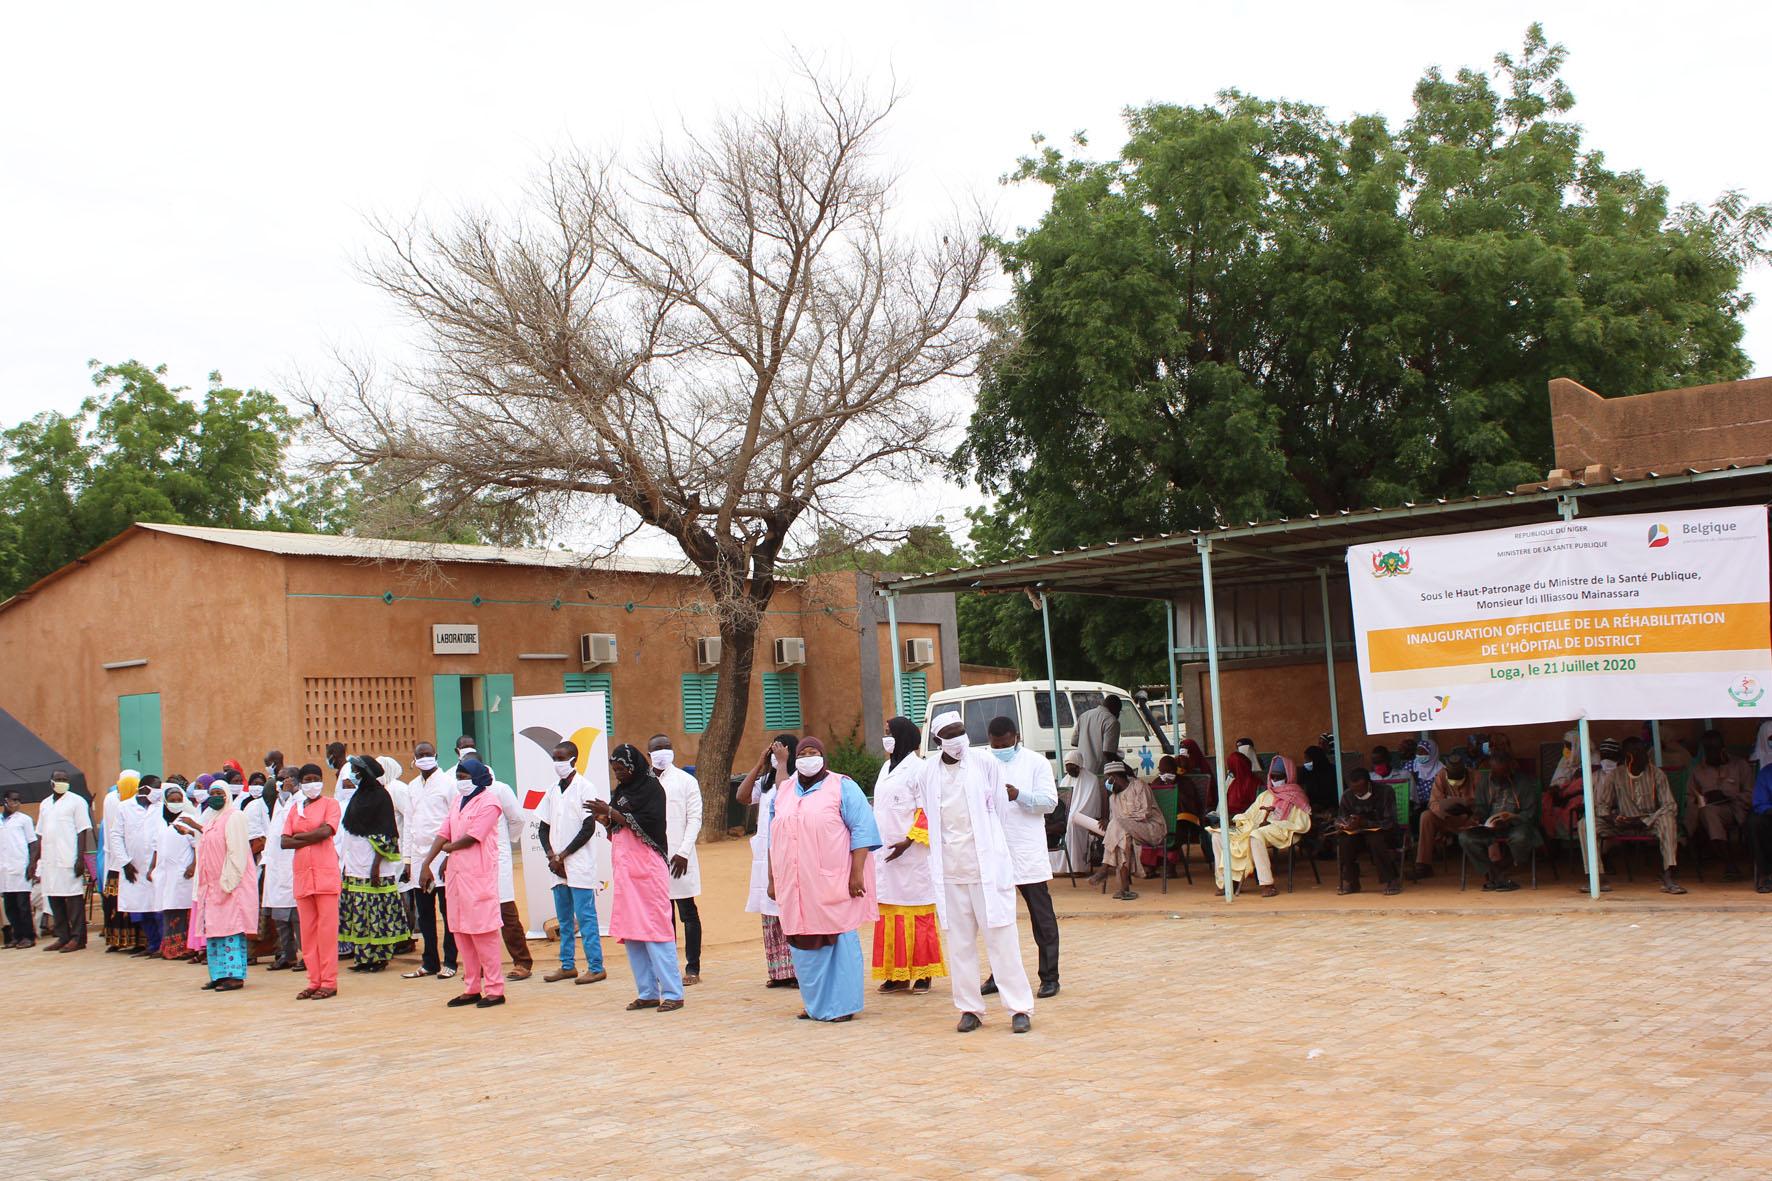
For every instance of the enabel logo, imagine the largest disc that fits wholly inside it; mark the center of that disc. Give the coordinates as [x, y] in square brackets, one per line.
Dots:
[1411, 717]
[1657, 536]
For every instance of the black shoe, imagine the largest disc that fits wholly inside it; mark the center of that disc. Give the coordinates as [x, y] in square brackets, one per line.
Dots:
[990, 987]
[466, 998]
[968, 1023]
[1048, 990]
[489, 1002]
[1021, 1024]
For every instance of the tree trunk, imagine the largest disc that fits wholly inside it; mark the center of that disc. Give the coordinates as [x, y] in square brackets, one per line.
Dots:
[719, 742]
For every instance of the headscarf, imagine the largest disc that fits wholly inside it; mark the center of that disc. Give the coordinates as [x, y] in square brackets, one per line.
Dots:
[1570, 764]
[370, 812]
[127, 782]
[1196, 758]
[1426, 768]
[1288, 795]
[907, 740]
[234, 766]
[640, 801]
[1763, 745]
[390, 769]
[1318, 779]
[1240, 793]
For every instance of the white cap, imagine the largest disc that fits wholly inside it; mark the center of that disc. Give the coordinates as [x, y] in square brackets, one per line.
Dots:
[944, 720]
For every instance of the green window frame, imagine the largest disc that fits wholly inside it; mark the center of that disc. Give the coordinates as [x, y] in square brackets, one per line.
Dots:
[595, 683]
[698, 700]
[781, 701]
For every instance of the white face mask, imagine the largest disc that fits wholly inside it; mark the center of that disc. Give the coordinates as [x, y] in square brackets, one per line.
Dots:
[1309, 765]
[775, 762]
[312, 790]
[809, 765]
[956, 746]
[663, 758]
[563, 767]
[255, 790]
[1245, 748]
[888, 743]
[1608, 764]
[60, 786]
[426, 763]
[464, 786]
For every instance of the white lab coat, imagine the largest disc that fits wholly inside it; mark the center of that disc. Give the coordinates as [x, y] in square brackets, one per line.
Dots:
[175, 850]
[16, 834]
[60, 821]
[1024, 821]
[140, 827]
[564, 810]
[110, 825]
[986, 803]
[278, 862]
[898, 793]
[428, 798]
[513, 822]
[682, 827]
[759, 901]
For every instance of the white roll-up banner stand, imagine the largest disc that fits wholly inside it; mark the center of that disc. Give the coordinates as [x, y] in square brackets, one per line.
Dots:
[541, 722]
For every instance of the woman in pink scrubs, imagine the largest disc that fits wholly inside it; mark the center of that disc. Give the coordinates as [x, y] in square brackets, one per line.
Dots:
[228, 880]
[469, 837]
[640, 912]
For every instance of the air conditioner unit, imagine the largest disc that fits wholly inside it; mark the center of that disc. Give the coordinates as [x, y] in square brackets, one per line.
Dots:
[790, 650]
[595, 648]
[919, 652]
[707, 651]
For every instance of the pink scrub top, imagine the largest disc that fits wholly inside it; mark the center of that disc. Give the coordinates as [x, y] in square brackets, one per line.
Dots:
[470, 876]
[225, 912]
[810, 845]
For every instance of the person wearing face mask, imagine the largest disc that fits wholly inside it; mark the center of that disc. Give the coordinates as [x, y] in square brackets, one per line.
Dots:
[138, 824]
[1027, 781]
[122, 934]
[821, 835]
[308, 830]
[1280, 814]
[1562, 797]
[1451, 808]
[1633, 799]
[774, 765]
[640, 905]
[1133, 819]
[965, 801]
[274, 768]
[370, 919]
[256, 808]
[173, 868]
[228, 880]
[515, 940]
[907, 939]
[64, 825]
[578, 865]
[469, 837]
[18, 863]
[430, 795]
[682, 830]
[278, 894]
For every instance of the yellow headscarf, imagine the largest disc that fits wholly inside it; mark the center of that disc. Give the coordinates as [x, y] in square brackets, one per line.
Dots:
[127, 783]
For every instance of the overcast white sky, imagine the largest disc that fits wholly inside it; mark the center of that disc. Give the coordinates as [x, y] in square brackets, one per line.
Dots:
[187, 183]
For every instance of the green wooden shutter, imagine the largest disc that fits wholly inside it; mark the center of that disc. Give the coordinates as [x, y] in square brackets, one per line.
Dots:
[781, 701]
[501, 734]
[446, 700]
[595, 683]
[916, 697]
[698, 700]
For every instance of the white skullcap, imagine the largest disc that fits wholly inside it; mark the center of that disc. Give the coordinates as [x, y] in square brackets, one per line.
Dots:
[943, 721]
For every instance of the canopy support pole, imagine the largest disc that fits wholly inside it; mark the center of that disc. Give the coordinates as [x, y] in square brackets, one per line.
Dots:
[1224, 803]
[897, 659]
[1655, 739]
[1566, 507]
[1334, 697]
[1174, 695]
[1052, 687]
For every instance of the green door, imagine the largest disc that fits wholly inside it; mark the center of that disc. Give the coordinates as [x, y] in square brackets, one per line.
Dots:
[499, 742]
[138, 732]
[446, 694]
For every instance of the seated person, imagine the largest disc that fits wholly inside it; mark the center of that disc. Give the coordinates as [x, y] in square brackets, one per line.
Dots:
[1634, 799]
[1317, 776]
[1761, 819]
[1364, 822]
[1451, 806]
[1381, 762]
[1506, 812]
[1168, 776]
[1561, 804]
[1277, 818]
[1133, 819]
[1719, 793]
[1191, 759]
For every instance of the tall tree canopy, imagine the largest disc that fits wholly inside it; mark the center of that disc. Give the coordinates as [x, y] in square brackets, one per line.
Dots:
[1257, 310]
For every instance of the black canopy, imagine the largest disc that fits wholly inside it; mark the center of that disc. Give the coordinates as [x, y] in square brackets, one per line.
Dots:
[26, 762]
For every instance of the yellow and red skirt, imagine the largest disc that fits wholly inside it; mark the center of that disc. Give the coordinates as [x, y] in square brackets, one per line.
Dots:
[907, 944]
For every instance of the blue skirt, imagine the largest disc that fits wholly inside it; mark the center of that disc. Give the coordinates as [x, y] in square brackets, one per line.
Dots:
[830, 977]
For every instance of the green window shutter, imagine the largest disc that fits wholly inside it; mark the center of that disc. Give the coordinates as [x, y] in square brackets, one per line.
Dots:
[596, 683]
[916, 696]
[698, 700]
[781, 701]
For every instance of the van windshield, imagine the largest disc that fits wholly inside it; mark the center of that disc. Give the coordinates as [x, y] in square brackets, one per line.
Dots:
[977, 714]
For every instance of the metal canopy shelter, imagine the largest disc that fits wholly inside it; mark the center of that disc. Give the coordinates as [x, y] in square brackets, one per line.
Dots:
[1309, 549]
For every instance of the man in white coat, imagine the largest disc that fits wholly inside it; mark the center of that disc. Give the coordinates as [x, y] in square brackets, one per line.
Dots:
[964, 801]
[428, 800]
[578, 856]
[682, 830]
[1027, 781]
[138, 823]
[64, 821]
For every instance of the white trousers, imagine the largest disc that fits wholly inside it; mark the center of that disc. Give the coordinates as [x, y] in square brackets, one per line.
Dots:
[1085, 797]
[1002, 945]
[1258, 853]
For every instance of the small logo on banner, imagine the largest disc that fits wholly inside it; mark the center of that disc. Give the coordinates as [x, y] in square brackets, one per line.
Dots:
[1440, 704]
[1389, 563]
[1747, 692]
[1657, 536]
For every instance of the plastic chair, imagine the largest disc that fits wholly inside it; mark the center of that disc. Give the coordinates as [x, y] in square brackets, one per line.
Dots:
[1310, 856]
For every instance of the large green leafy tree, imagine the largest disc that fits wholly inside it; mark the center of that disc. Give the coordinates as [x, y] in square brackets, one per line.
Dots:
[1257, 310]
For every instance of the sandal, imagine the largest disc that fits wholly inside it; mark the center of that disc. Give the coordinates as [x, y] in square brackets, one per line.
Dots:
[1270, 891]
[306, 994]
[230, 986]
[446, 974]
[417, 974]
[321, 994]
[641, 1003]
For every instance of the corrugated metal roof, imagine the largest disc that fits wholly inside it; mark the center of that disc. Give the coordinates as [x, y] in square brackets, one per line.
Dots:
[1161, 567]
[320, 545]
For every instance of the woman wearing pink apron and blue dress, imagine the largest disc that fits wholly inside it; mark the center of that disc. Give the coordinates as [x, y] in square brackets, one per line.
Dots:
[821, 872]
[227, 880]
[640, 910]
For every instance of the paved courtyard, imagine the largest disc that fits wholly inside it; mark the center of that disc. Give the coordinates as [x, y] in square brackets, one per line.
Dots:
[1614, 1041]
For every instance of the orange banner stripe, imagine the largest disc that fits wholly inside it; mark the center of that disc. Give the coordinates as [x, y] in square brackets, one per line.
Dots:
[1613, 631]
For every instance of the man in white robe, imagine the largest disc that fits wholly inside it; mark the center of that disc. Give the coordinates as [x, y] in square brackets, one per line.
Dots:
[1095, 739]
[64, 821]
[1027, 781]
[428, 799]
[964, 801]
[138, 822]
[682, 830]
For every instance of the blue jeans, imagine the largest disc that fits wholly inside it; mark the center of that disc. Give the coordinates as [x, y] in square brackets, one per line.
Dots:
[575, 908]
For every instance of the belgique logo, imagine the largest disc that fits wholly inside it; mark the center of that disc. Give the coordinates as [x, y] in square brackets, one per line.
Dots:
[1657, 536]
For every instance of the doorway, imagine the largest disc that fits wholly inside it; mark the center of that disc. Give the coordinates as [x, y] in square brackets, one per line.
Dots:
[480, 707]
[138, 732]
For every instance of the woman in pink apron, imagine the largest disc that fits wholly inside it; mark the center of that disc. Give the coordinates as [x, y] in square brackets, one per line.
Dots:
[821, 873]
[640, 911]
[228, 882]
[469, 837]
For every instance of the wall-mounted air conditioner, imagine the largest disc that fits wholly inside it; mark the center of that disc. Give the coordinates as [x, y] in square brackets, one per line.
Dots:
[707, 651]
[596, 648]
[790, 650]
[919, 652]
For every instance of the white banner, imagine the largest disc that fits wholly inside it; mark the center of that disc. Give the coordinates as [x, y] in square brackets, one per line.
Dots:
[541, 722]
[1639, 617]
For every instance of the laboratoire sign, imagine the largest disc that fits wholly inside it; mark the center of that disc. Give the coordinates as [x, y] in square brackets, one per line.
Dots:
[455, 639]
[1653, 616]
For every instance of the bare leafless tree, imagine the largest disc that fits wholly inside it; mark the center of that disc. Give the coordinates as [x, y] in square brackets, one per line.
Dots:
[726, 338]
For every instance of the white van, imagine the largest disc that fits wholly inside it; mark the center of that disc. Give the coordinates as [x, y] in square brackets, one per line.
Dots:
[1030, 704]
